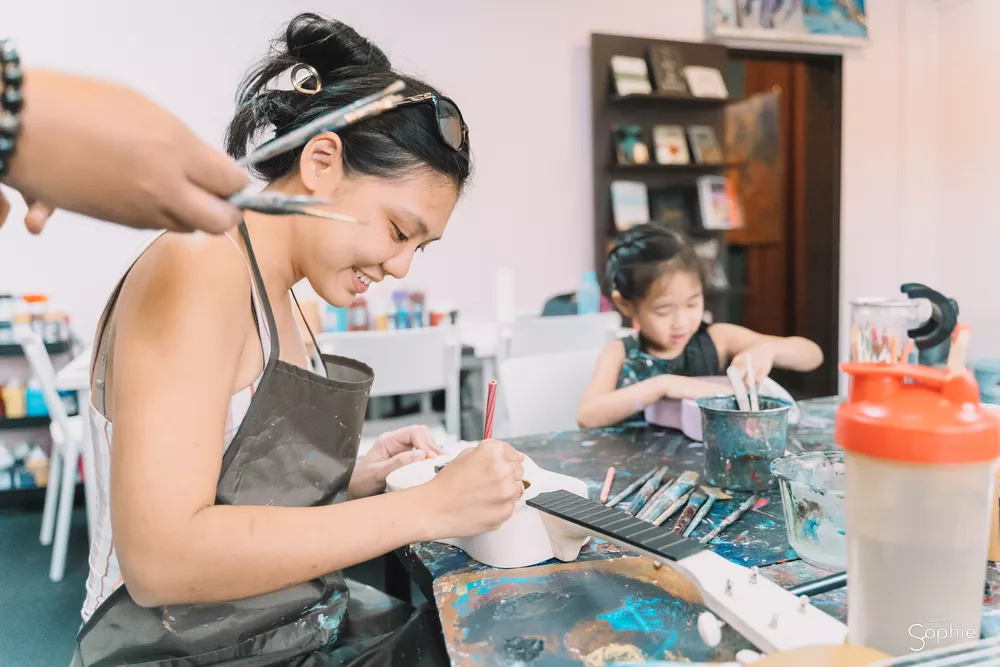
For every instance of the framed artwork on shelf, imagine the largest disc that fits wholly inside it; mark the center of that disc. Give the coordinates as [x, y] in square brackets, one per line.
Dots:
[720, 208]
[804, 26]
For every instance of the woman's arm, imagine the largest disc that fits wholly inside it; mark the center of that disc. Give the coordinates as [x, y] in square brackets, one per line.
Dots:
[88, 146]
[182, 323]
[603, 405]
[793, 353]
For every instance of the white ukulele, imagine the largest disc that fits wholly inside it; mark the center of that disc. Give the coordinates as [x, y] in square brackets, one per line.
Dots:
[528, 537]
[555, 518]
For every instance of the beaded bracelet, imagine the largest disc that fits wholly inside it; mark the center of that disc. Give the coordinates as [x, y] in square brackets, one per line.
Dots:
[11, 102]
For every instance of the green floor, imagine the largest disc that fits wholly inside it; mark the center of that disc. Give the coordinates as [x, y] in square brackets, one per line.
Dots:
[39, 619]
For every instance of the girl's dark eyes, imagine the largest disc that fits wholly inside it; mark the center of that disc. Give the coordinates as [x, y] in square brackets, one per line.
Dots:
[398, 234]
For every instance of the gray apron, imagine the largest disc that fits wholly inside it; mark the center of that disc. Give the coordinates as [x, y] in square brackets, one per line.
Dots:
[297, 446]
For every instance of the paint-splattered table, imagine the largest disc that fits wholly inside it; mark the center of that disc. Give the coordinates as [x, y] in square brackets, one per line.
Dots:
[608, 605]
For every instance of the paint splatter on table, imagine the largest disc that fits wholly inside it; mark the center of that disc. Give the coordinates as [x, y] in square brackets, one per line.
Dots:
[608, 605]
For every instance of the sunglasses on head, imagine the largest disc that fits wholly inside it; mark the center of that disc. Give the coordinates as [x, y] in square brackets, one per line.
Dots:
[451, 126]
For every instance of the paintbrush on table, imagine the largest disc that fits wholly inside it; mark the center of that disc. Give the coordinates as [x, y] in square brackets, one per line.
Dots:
[670, 511]
[730, 520]
[608, 481]
[631, 488]
[713, 495]
[647, 490]
[684, 483]
[664, 488]
[694, 503]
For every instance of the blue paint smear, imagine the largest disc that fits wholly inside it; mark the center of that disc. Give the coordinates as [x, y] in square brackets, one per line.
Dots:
[637, 615]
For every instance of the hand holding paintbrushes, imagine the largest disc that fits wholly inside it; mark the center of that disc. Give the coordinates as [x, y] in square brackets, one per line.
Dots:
[276, 203]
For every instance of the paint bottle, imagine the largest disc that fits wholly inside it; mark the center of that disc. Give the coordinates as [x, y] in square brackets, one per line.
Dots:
[920, 453]
[588, 295]
[6, 322]
[417, 309]
[402, 315]
[6, 469]
[36, 464]
[14, 400]
[38, 305]
[334, 319]
[358, 315]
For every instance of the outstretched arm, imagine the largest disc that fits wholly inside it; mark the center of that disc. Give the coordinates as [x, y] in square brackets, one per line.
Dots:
[604, 405]
[792, 353]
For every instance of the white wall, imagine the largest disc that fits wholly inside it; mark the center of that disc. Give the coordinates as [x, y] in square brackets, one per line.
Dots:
[520, 71]
[966, 166]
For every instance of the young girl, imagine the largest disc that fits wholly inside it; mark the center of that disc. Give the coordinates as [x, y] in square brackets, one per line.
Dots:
[655, 279]
[230, 493]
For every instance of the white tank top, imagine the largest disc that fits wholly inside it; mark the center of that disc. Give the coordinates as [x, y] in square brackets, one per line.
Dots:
[105, 575]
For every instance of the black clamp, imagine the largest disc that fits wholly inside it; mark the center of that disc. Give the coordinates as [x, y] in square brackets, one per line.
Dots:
[942, 322]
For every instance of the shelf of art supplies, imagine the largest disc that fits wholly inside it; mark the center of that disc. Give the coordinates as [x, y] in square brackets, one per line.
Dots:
[652, 96]
[24, 422]
[654, 168]
[15, 350]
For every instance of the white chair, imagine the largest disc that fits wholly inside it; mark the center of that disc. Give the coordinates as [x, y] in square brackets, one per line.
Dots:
[70, 439]
[406, 361]
[564, 333]
[540, 393]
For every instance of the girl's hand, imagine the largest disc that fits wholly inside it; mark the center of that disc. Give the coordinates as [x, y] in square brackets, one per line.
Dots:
[762, 360]
[391, 450]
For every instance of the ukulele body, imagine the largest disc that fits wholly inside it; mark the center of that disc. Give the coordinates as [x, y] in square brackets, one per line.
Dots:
[528, 537]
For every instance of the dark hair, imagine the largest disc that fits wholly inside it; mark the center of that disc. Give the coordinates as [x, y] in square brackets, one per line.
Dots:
[642, 254]
[350, 67]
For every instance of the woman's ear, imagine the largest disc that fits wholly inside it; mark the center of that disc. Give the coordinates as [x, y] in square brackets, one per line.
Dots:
[321, 166]
[623, 306]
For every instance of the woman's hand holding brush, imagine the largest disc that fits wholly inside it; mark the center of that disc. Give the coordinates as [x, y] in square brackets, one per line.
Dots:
[477, 490]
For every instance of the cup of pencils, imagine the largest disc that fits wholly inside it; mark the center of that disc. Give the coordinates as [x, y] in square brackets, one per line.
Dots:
[879, 330]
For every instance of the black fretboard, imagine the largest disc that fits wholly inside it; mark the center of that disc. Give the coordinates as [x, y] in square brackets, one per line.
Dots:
[615, 525]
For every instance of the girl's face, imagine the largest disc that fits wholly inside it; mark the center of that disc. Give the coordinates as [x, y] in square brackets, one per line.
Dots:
[398, 218]
[671, 312]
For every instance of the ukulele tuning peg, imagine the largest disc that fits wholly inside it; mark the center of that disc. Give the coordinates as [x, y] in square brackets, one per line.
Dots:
[774, 621]
[803, 603]
[729, 586]
[753, 574]
[710, 628]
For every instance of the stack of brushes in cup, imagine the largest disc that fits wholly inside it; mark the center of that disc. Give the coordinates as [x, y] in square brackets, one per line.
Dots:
[656, 498]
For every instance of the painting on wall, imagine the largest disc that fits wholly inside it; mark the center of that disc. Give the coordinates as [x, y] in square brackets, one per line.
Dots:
[801, 24]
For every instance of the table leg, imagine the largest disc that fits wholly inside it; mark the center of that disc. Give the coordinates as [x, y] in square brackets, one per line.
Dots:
[397, 578]
[419, 573]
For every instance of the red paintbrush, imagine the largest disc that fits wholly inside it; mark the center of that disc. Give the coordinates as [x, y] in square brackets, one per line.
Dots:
[491, 402]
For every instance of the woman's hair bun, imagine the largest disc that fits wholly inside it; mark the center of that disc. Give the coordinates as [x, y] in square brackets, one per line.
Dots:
[330, 45]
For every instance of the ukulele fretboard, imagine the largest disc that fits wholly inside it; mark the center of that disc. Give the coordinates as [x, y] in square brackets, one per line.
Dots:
[617, 526]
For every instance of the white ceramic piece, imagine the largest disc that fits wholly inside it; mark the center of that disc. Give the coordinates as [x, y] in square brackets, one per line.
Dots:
[685, 415]
[528, 537]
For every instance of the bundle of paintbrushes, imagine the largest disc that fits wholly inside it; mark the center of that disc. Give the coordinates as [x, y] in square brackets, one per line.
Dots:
[868, 344]
[656, 498]
[275, 203]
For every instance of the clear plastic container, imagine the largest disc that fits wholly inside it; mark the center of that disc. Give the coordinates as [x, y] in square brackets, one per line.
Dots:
[812, 499]
[879, 329]
[919, 468]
